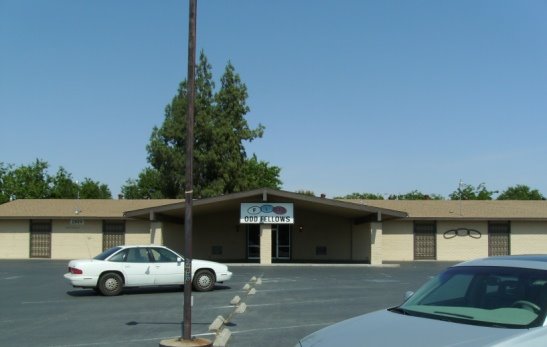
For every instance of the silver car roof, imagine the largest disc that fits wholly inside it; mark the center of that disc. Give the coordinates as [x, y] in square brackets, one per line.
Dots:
[535, 261]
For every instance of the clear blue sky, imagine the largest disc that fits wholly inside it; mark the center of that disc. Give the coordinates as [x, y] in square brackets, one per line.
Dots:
[356, 95]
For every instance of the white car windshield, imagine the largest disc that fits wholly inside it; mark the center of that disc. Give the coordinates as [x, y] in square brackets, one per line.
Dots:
[490, 296]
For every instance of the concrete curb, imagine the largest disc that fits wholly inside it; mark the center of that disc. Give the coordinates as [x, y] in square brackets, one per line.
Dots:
[186, 343]
[218, 325]
[222, 338]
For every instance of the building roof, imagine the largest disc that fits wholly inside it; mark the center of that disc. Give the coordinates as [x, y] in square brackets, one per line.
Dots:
[73, 208]
[466, 209]
[232, 202]
[353, 208]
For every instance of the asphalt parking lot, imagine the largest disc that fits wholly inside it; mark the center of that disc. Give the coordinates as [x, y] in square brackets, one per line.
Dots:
[38, 308]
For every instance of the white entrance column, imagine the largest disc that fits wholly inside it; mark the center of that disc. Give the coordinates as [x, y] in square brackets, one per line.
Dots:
[156, 233]
[376, 243]
[265, 244]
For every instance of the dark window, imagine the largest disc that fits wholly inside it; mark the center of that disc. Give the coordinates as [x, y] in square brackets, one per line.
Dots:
[216, 250]
[321, 250]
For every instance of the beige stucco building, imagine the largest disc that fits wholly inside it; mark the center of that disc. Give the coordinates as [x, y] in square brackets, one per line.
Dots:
[266, 226]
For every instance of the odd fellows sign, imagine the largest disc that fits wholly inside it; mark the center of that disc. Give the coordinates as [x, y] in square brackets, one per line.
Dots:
[266, 213]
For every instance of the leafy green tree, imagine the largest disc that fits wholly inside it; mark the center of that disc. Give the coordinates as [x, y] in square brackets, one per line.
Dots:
[521, 192]
[228, 158]
[27, 181]
[221, 165]
[305, 192]
[33, 182]
[3, 171]
[258, 174]
[63, 186]
[364, 196]
[145, 187]
[469, 192]
[416, 195]
[90, 189]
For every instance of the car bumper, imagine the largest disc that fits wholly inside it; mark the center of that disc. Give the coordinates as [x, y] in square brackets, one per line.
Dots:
[81, 280]
[224, 276]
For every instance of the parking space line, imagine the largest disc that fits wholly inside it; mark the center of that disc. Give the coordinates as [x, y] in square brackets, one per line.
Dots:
[336, 287]
[11, 278]
[297, 301]
[111, 343]
[282, 328]
[43, 302]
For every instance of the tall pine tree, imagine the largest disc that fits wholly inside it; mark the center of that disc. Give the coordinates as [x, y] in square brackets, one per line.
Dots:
[221, 165]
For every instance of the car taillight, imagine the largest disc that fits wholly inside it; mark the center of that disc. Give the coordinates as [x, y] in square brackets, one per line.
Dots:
[75, 271]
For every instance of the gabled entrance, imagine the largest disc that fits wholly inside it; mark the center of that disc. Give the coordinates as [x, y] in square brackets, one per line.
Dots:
[326, 230]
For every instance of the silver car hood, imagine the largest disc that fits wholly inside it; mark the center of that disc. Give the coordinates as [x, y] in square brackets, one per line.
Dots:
[388, 329]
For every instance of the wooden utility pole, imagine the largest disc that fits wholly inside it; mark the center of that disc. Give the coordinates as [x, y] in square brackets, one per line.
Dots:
[186, 340]
[189, 177]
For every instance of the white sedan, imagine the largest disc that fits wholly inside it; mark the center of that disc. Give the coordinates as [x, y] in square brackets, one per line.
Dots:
[138, 266]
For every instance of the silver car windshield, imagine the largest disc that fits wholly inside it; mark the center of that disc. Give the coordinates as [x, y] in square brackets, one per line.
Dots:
[490, 296]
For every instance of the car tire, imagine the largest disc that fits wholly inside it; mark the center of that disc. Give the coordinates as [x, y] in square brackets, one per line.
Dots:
[204, 280]
[110, 284]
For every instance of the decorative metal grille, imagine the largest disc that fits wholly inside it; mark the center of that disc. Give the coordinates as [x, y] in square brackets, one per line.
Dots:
[425, 244]
[499, 239]
[40, 239]
[113, 234]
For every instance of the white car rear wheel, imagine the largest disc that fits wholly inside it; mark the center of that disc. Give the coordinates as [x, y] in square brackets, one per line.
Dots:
[110, 284]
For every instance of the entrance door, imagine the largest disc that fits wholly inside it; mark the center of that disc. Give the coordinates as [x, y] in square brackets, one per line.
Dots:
[281, 241]
[253, 241]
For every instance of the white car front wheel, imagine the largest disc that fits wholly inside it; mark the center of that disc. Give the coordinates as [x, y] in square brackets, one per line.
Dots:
[204, 280]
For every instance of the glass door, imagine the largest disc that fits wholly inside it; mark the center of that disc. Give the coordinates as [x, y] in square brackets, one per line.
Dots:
[253, 241]
[281, 241]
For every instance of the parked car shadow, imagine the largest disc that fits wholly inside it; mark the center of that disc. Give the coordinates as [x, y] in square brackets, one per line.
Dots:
[82, 292]
[135, 323]
[138, 290]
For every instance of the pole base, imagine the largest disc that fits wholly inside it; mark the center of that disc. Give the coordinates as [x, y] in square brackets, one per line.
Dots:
[180, 342]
